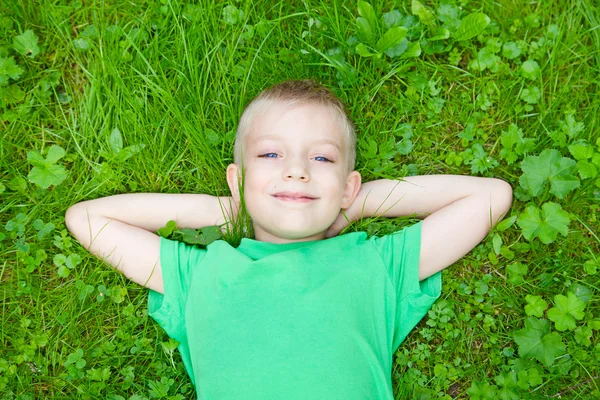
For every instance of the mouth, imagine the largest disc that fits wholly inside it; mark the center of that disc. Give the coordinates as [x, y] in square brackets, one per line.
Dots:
[292, 196]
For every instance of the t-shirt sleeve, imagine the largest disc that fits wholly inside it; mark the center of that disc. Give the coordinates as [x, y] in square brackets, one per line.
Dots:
[178, 263]
[400, 252]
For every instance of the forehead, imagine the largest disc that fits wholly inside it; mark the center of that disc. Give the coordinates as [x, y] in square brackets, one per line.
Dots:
[298, 122]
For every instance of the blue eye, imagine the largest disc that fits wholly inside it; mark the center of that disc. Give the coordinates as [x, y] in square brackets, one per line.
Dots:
[325, 159]
[269, 155]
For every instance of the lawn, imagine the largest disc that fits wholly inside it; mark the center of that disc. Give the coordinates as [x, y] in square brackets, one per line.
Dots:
[105, 97]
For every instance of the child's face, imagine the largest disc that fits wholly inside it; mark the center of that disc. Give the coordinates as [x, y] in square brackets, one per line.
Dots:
[285, 156]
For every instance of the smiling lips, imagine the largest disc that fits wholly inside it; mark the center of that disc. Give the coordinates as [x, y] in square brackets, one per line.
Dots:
[294, 196]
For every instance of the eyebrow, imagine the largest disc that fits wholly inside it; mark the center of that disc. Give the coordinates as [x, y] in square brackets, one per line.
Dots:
[273, 137]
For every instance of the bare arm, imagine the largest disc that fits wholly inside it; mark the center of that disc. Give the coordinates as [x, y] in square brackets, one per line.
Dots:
[458, 212]
[120, 229]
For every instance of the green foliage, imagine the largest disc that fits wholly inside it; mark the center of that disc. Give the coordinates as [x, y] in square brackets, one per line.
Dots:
[536, 341]
[9, 70]
[471, 26]
[145, 98]
[548, 168]
[202, 237]
[45, 171]
[545, 225]
[535, 306]
[26, 44]
[565, 311]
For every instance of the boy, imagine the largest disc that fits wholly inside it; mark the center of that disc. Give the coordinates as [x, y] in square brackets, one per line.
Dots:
[295, 313]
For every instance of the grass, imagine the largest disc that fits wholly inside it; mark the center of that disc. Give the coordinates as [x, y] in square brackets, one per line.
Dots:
[173, 79]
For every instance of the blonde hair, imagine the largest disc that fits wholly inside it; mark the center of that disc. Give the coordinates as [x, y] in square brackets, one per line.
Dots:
[293, 92]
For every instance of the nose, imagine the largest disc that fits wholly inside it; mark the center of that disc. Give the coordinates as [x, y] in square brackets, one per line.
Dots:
[296, 169]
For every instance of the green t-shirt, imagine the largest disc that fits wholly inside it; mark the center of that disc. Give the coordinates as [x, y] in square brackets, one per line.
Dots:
[301, 320]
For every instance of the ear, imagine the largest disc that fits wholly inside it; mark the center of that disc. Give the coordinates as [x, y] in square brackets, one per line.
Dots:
[351, 189]
[233, 180]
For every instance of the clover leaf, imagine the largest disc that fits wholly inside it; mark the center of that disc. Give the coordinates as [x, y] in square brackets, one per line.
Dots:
[553, 220]
[168, 229]
[43, 229]
[45, 172]
[566, 311]
[26, 44]
[535, 341]
[9, 70]
[548, 167]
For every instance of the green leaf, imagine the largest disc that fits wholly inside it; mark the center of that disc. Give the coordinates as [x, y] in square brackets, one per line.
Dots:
[211, 233]
[232, 15]
[583, 335]
[203, 237]
[59, 259]
[45, 172]
[439, 34]
[531, 94]
[413, 50]
[566, 311]
[481, 390]
[365, 31]
[404, 146]
[511, 50]
[363, 50]
[26, 44]
[43, 229]
[55, 153]
[509, 390]
[129, 152]
[516, 272]
[535, 305]
[90, 32]
[392, 19]
[530, 69]
[591, 267]
[81, 44]
[582, 292]
[425, 15]
[535, 342]
[168, 229]
[366, 11]
[571, 127]
[506, 223]
[548, 167]
[116, 140]
[397, 50]
[553, 220]
[63, 271]
[485, 59]
[581, 151]
[391, 38]
[9, 70]
[471, 26]
[73, 260]
[586, 169]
